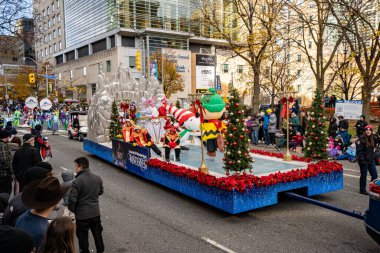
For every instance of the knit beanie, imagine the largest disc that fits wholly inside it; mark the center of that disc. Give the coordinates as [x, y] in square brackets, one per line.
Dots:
[213, 102]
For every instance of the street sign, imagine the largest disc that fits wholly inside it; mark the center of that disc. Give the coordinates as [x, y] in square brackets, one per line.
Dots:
[50, 77]
[218, 83]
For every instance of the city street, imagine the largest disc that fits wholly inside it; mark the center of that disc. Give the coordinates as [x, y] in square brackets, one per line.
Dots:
[140, 216]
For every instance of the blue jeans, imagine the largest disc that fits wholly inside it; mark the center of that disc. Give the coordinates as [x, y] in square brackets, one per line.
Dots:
[363, 174]
[266, 136]
[345, 156]
[255, 136]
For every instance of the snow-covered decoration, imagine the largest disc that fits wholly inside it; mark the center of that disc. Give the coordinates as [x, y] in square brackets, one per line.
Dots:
[123, 87]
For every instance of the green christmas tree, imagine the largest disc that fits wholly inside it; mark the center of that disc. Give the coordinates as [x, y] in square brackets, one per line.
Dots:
[178, 104]
[236, 155]
[316, 136]
[115, 125]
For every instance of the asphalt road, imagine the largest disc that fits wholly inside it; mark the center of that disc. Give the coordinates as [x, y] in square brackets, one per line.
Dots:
[140, 216]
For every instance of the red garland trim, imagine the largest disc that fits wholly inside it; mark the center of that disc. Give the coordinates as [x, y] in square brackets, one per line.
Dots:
[244, 181]
[280, 155]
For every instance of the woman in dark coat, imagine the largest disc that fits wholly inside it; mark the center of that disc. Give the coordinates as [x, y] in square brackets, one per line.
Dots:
[333, 127]
[365, 150]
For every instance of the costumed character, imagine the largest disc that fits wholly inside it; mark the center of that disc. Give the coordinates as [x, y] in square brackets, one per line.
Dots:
[141, 137]
[125, 106]
[133, 113]
[55, 122]
[17, 117]
[172, 142]
[127, 130]
[186, 120]
[46, 152]
[213, 109]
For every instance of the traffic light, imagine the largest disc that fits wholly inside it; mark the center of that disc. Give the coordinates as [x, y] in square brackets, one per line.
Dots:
[138, 60]
[32, 78]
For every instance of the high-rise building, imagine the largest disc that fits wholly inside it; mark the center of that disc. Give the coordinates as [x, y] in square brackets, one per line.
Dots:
[25, 33]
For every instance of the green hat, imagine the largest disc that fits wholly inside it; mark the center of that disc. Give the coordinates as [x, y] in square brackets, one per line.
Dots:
[213, 102]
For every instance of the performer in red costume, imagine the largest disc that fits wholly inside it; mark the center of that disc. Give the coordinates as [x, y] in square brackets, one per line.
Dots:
[141, 137]
[172, 142]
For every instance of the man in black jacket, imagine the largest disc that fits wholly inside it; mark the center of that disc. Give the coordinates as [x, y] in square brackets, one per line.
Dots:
[24, 158]
[343, 123]
[84, 203]
[360, 125]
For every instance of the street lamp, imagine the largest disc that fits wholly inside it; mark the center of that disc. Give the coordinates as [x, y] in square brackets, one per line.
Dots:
[195, 99]
[287, 95]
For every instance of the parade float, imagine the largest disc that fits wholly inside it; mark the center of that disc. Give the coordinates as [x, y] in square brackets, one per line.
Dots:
[132, 125]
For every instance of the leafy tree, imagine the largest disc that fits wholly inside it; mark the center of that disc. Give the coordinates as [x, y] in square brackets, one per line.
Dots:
[316, 136]
[236, 154]
[358, 22]
[171, 80]
[249, 28]
[115, 125]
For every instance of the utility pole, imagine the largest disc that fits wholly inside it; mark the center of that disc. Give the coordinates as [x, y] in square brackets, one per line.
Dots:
[147, 56]
[47, 81]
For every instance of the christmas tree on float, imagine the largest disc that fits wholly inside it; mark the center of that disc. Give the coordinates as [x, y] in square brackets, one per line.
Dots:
[316, 136]
[236, 154]
[115, 125]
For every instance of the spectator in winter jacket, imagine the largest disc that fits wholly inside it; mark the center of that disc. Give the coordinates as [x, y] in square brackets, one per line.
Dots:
[365, 151]
[255, 129]
[10, 128]
[350, 154]
[360, 125]
[296, 141]
[294, 121]
[343, 123]
[265, 126]
[345, 136]
[39, 142]
[24, 158]
[67, 178]
[333, 127]
[272, 128]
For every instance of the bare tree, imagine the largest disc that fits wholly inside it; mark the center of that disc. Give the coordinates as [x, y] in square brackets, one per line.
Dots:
[317, 37]
[247, 26]
[10, 12]
[347, 85]
[361, 29]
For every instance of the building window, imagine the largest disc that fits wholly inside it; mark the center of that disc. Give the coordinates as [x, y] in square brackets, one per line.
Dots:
[49, 36]
[108, 65]
[46, 52]
[100, 68]
[52, 7]
[299, 58]
[240, 69]
[45, 38]
[311, 18]
[42, 53]
[54, 34]
[55, 47]
[225, 68]
[127, 41]
[43, 13]
[71, 74]
[48, 10]
[59, 18]
[84, 71]
[59, 31]
[54, 20]
[60, 45]
[49, 23]
[57, 4]
[310, 44]
[132, 61]
[299, 73]
[50, 50]
[93, 88]
[38, 54]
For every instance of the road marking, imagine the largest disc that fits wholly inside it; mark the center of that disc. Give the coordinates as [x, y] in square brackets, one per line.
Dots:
[217, 245]
[64, 168]
[352, 170]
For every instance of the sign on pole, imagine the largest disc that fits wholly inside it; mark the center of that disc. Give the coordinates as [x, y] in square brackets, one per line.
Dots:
[204, 71]
[349, 109]
[31, 102]
[45, 104]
